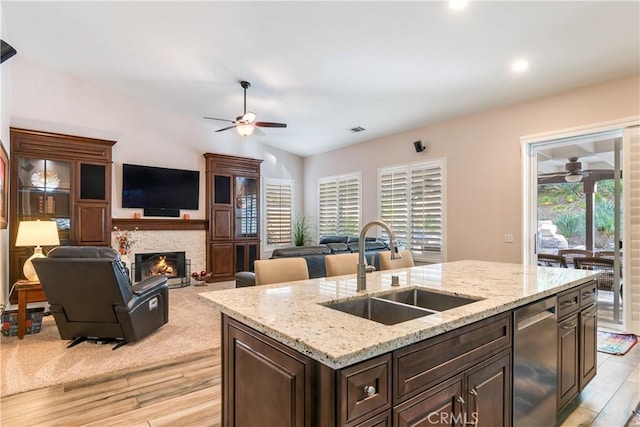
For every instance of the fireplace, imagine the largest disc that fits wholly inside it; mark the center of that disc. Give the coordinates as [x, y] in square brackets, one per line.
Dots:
[173, 265]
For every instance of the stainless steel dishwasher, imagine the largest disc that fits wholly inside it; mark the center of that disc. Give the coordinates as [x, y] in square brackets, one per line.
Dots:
[535, 364]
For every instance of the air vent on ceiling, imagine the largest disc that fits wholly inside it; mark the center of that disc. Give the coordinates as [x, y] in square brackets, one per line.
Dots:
[356, 129]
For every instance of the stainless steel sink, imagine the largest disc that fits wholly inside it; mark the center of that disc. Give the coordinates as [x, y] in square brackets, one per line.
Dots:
[426, 299]
[399, 306]
[380, 310]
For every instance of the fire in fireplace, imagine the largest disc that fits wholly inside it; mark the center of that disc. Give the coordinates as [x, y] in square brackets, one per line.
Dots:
[170, 264]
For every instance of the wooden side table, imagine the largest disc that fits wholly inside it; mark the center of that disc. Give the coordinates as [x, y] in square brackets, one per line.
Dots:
[27, 292]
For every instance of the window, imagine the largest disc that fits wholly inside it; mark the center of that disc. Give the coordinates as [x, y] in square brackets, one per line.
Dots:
[278, 196]
[339, 205]
[412, 202]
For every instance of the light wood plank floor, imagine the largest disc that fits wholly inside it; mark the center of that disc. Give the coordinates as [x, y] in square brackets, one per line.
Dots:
[187, 392]
[183, 392]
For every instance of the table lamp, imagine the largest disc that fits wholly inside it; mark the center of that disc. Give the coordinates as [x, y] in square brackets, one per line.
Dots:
[36, 233]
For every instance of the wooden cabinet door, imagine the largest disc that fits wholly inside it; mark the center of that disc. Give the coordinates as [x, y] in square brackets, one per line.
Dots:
[488, 393]
[588, 345]
[265, 383]
[221, 260]
[92, 224]
[441, 406]
[568, 372]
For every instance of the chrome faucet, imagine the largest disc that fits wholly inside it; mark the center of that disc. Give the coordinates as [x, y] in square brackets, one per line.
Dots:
[362, 268]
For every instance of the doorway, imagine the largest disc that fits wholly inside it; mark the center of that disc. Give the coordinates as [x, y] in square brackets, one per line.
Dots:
[576, 210]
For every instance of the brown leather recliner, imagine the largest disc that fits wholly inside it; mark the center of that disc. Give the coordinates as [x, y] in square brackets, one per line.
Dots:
[91, 296]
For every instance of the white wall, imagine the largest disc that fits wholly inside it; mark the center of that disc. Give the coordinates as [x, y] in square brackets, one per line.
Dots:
[483, 163]
[147, 134]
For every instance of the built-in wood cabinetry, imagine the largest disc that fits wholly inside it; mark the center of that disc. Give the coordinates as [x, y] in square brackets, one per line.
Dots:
[61, 178]
[460, 376]
[233, 212]
[577, 341]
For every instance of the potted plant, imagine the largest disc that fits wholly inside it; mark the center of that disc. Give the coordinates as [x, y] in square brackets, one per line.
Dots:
[301, 231]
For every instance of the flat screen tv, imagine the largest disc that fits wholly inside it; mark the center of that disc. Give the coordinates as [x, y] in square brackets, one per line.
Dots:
[159, 188]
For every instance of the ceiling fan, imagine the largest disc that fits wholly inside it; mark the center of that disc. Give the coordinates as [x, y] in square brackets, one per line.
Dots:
[246, 124]
[574, 172]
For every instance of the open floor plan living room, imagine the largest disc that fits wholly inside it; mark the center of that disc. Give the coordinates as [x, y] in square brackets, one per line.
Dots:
[365, 206]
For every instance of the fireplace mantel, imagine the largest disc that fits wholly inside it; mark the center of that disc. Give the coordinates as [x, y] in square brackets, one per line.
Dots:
[159, 224]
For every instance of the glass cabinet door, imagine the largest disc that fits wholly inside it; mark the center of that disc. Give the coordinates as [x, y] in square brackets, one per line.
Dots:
[44, 192]
[246, 207]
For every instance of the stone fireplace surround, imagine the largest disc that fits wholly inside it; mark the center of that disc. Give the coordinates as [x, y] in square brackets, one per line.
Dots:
[157, 236]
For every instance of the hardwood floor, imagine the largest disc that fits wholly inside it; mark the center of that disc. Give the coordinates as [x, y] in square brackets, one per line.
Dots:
[187, 392]
[184, 392]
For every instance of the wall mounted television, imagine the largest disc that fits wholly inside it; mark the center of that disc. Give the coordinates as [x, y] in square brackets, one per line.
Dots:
[152, 187]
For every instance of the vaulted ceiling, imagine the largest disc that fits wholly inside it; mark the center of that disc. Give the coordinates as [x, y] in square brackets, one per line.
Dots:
[326, 67]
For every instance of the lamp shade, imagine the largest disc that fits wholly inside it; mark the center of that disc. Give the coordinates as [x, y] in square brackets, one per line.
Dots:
[37, 233]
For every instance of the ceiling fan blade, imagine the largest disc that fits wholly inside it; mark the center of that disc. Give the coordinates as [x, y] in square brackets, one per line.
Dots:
[222, 120]
[227, 128]
[270, 125]
[552, 174]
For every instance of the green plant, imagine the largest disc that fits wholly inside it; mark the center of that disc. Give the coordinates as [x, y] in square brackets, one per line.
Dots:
[570, 224]
[301, 231]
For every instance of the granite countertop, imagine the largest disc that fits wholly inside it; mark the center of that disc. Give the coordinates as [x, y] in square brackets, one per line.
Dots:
[292, 314]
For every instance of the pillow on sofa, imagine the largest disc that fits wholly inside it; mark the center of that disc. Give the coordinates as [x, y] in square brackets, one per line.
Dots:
[332, 239]
[298, 251]
[376, 245]
[337, 248]
[356, 239]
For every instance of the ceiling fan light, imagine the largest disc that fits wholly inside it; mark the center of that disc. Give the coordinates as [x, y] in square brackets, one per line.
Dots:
[245, 129]
[573, 177]
[249, 117]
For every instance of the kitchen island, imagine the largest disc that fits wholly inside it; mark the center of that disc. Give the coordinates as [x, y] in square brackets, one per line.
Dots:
[288, 359]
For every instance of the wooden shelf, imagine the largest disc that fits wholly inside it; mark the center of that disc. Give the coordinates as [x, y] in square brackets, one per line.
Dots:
[159, 224]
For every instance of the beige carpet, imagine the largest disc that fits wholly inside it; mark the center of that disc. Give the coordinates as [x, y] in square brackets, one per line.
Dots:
[42, 359]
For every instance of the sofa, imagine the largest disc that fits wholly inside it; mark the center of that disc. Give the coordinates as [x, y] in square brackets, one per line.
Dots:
[314, 255]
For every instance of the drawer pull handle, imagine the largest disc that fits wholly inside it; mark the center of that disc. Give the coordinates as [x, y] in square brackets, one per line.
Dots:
[369, 390]
[568, 303]
[588, 294]
[570, 325]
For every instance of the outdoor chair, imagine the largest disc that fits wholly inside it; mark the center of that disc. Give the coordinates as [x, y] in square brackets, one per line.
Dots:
[550, 260]
[605, 280]
[570, 254]
[91, 296]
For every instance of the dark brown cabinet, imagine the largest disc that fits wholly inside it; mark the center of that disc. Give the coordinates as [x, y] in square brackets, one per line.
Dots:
[567, 360]
[233, 212]
[577, 341]
[460, 376]
[61, 178]
[265, 383]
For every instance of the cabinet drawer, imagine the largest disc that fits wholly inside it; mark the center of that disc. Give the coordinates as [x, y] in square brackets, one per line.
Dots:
[423, 365]
[364, 389]
[568, 303]
[588, 294]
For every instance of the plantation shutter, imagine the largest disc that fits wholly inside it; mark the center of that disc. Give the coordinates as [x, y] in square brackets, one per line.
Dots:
[339, 205]
[278, 206]
[426, 210]
[411, 201]
[394, 198]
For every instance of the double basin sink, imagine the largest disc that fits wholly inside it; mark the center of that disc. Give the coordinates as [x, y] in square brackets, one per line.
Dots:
[400, 306]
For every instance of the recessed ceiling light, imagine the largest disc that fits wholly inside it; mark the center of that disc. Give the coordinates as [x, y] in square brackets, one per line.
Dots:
[458, 4]
[520, 65]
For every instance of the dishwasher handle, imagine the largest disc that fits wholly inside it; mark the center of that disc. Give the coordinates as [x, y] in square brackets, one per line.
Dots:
[532, 320]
